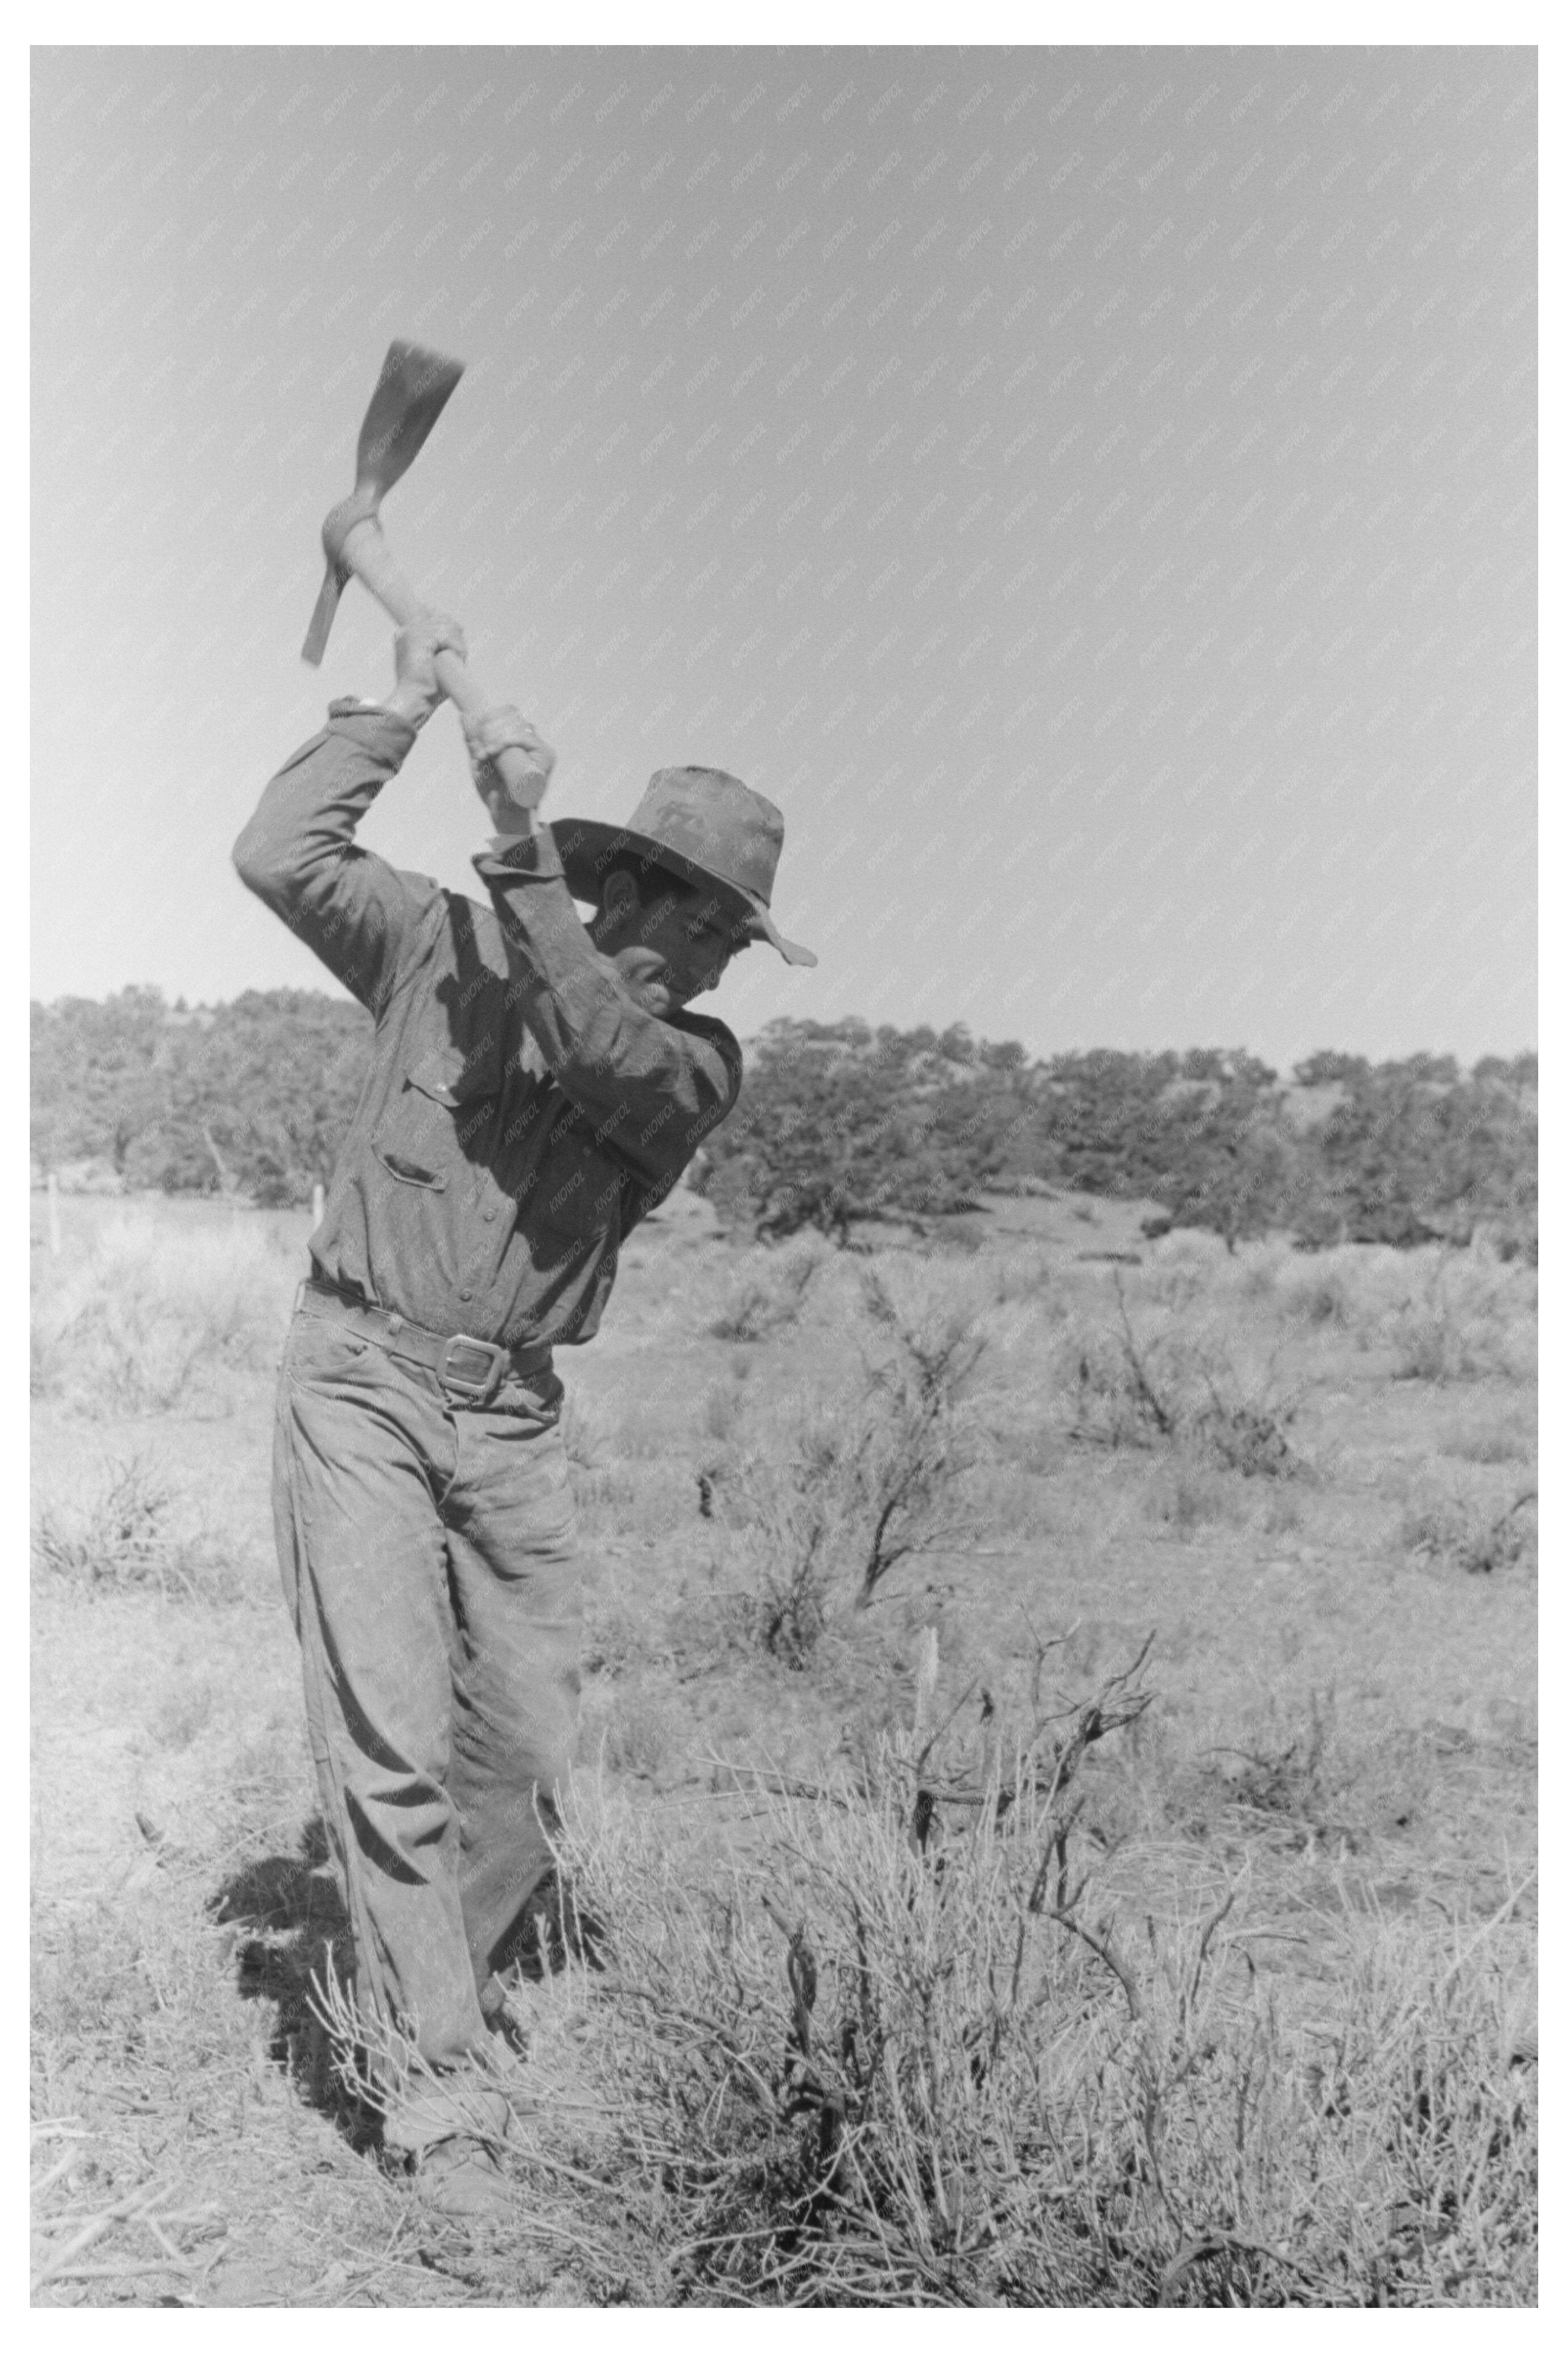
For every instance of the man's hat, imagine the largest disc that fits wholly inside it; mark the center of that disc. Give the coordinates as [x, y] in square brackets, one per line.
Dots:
[700, 824]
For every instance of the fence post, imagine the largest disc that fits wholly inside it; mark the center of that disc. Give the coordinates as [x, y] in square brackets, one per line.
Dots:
[52, 1188]
[318, 1206]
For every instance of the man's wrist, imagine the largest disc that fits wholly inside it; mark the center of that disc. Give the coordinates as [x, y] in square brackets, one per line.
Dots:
[410, 703]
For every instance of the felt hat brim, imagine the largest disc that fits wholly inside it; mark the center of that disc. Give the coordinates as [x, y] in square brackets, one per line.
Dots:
[586, 848]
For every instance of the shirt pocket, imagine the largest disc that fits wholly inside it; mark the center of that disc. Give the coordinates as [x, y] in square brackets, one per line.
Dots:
[443, 1114]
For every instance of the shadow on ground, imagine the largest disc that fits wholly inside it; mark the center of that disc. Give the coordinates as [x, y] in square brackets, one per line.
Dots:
[291, 1921]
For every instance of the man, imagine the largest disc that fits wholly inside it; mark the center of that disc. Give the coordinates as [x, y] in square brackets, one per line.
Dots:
[535, 1088]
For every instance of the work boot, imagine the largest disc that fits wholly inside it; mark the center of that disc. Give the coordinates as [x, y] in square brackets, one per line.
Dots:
[459, 2177]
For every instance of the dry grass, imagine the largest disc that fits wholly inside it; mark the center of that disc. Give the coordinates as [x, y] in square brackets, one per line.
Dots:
[912, 2049]
[136, 1526]
[807, 2075]
[140, 1319]
[1190, 1495]
[104, 2242]
[1453, 1315]
[771, 1298]
[1446, 1315]
[1503, 1441]
[916, 2042]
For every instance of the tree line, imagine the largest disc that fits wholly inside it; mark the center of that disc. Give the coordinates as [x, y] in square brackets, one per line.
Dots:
[840, 1125]
[254, 1096]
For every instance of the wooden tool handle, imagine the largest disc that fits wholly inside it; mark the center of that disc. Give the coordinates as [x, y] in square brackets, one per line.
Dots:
[366, 554]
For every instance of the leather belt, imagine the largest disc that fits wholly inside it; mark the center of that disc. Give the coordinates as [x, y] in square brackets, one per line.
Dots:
[471, 1370]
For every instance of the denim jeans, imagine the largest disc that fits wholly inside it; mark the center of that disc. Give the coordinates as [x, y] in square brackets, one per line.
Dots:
[429, 1563]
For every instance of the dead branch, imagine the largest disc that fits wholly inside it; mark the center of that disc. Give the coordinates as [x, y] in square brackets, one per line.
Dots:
[1103, 1950]
[1165, 1420]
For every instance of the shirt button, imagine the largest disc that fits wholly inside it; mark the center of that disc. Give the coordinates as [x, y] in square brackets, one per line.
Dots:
[464, 1295]
[490, 1216]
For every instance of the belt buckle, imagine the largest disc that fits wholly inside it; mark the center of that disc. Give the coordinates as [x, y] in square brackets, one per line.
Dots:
[475, 1391]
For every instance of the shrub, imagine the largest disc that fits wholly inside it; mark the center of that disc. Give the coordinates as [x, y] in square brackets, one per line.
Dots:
[1461, 1319]
[1459, 1532]
[1183, 1269]
[1320, 1296]
[1248, 1436]
[798, 1502]
[1164, 1384]
[925, 1431]
[834, 1494]
[902, 2046]
[1448, 1314]
[138, 1530]
[1106, 1407]
[769, 1299]
[1122, 1391]
[1301, 1786]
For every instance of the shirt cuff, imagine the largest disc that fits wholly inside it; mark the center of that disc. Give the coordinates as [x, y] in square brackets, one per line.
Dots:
[522, 858]
[371, 726]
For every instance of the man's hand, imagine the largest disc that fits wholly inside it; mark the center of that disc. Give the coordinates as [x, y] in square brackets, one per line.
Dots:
[490, 731]
[414, 649]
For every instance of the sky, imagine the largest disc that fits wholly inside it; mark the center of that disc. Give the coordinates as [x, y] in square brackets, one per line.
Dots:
[1093, 492]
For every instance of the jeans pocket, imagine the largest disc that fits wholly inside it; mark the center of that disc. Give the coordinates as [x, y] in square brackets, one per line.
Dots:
[317, 1349]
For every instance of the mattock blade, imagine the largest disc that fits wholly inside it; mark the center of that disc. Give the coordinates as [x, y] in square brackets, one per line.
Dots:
[413, 389]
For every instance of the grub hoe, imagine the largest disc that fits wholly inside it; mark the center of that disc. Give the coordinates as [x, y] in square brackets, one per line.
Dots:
[414, 387]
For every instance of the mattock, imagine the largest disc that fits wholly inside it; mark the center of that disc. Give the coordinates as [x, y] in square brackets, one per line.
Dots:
[414, 387]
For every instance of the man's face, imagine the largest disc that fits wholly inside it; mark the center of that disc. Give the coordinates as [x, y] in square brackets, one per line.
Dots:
[674, 949]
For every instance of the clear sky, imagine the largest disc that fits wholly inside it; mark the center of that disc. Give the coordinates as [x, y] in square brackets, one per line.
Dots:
[1093, 492]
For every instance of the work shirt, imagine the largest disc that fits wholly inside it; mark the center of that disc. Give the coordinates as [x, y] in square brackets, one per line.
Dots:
[522, 1109]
